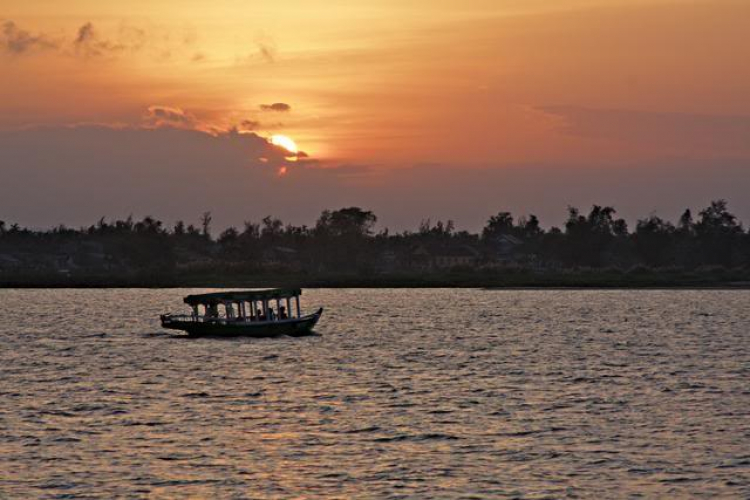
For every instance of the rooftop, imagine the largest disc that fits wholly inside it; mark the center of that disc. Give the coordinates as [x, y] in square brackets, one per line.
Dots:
[242, 295]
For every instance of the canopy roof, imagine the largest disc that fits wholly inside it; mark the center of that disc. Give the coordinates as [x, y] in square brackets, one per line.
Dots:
[241, 296]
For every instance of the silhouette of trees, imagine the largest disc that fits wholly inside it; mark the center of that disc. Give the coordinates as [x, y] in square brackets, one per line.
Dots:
[718, 233]
[350, 222]
[654, 240]
[345, 241]
[590, 239]
[497, 225]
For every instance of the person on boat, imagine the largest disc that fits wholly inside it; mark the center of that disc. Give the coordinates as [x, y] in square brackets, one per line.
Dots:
[282, 313]
[271, 314]
[212, 311]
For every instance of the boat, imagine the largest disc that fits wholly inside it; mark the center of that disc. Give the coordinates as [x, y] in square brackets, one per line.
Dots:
[244, 313]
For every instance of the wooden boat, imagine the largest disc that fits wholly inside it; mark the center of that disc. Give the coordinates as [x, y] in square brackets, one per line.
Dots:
[244, 313]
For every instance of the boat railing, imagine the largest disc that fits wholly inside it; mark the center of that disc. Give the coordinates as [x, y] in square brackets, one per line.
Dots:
[191, 318]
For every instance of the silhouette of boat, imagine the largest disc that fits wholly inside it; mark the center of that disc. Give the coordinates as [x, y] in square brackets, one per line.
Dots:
[244, 313]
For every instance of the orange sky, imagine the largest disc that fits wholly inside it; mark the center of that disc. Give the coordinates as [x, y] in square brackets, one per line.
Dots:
[462, 83]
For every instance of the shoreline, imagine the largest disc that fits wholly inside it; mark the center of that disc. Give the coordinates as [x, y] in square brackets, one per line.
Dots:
[380, 284]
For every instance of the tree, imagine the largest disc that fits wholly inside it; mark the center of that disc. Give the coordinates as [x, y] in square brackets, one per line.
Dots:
[206, 225]
[229, 241]
[718, 234]
[348, 222]
[251, 231]
[686, 224]
[272, 228]
[654, 238]
[528, 227]
[228, 236]
[498, 225]
[589, 238]
[149, 225]
[716, 218]
[439, 230]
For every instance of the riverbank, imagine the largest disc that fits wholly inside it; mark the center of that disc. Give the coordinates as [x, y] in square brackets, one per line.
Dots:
[589, 278]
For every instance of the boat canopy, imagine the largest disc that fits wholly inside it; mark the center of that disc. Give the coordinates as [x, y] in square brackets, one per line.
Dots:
[242, 296]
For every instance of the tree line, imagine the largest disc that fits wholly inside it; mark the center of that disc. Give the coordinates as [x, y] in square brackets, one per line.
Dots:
[346, 241]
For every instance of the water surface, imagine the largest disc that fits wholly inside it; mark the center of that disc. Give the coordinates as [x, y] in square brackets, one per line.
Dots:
[403, 394]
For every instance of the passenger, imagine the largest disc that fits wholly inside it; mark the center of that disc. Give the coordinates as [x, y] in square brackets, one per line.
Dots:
[212, 312]
[282, 313]
[271, 314]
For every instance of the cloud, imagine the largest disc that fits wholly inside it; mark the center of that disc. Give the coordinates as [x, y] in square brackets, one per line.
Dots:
[175, 173]
[88, 43]
[167, 116]
[249, 125]
[167, 171]
[18, 41]
[710, 135]
[267, 50]
[280, 107]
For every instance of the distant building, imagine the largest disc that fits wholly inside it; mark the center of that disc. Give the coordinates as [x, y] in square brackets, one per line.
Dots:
[505, 250]
[445, 257]
[458, 256]
[280, 257]
[420, 259]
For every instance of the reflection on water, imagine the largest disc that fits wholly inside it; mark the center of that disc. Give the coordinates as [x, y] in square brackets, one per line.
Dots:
[405, 393]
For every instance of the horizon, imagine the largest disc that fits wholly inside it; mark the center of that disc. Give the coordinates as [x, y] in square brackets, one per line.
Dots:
[378, 226]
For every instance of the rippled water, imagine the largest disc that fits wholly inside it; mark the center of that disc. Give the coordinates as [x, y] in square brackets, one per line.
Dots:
[403, 394]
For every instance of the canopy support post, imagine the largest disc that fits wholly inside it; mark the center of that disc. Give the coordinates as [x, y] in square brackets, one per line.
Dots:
[296, 299]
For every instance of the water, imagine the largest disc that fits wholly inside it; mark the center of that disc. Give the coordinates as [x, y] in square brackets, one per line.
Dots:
[403, 394]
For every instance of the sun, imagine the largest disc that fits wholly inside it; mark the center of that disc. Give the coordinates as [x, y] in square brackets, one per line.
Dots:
[284, 142]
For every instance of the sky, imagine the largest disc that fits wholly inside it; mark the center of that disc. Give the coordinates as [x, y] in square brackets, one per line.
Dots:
[447, 109]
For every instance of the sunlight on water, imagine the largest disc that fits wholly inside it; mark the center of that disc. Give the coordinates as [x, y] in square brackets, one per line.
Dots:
[404, 393]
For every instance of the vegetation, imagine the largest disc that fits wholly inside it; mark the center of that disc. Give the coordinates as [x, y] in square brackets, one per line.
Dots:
[343, 249]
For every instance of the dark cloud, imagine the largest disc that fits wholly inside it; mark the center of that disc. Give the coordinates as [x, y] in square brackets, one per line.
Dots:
[280, 107]
[85, 34]
[171, 172]
[76, 175]
[714, 135]
[19, 41]
[167, 116]
[88, 43]
[249, 125]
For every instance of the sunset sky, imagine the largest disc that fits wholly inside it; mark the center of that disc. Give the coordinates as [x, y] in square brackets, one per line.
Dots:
[413, 109]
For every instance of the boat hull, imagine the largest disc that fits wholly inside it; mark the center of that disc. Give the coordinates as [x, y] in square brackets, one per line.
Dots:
[291, 327]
